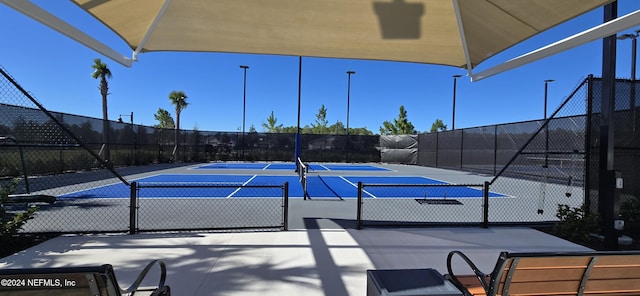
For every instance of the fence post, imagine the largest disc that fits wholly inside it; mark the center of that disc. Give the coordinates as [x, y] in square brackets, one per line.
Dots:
[485, 214]
[359, 214]
[495, 149]
[437, 133]
[461, 147]
[133, 208]
[587, 146]
[285, 212]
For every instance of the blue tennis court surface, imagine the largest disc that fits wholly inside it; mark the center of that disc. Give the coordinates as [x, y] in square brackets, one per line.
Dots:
[239, 186]
[290, 166]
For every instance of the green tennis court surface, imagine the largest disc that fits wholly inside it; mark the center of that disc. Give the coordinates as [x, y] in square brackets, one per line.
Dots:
[247, 186]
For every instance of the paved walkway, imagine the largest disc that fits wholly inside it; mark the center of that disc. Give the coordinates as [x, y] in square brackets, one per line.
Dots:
[297, 262]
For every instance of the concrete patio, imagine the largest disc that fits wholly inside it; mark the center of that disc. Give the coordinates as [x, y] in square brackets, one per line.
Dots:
[310, 261]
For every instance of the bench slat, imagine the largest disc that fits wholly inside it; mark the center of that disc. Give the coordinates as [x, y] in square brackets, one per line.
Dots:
[553, 261]
[632, 284]
[600, 272]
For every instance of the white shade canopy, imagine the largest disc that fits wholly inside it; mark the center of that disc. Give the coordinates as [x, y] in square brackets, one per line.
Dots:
[459, 33]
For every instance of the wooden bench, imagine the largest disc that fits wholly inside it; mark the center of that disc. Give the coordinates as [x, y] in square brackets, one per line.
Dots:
[72, 281]
[580, 273]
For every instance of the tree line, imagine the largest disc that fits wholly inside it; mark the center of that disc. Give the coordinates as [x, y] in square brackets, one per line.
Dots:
[398, 126]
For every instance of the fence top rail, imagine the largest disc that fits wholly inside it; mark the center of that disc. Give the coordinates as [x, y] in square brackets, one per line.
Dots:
[204, 185]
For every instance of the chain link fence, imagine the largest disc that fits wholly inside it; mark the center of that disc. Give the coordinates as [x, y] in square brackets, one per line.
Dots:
[532, 166]
[529, 168]
[49, 156]
[201, 206]
[42, 157]
[626, 151]
[421, 204]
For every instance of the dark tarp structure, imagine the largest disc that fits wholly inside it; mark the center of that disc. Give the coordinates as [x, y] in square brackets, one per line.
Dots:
[399, 149]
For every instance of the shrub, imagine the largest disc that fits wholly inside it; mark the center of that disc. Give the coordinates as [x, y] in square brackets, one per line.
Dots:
[575, 224]
[11, 223]
[630, 212]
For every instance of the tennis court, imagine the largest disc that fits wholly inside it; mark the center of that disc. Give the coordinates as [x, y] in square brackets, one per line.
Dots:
[250, 196]
[254, 186]
[290, 166]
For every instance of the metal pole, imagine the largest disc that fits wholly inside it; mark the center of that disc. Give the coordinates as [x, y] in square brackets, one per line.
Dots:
[359, 207]
[608, 204]
[546, 128]
[244, 107]
[298, 140]
[485, 208]
[546, 87]
[632, 104]
[453, 116]
[285, 210]
[348, 103]
[634, 45]
[136, 159]
[133, 207]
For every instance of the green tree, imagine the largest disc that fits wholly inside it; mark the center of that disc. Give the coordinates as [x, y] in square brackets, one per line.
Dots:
[337, 128]
[320, 127]
[179, 99]
[438, 125]
[101, 71]
[400, 126]
[164, 119]
[290, 130]
[360, 131]
[271, 125]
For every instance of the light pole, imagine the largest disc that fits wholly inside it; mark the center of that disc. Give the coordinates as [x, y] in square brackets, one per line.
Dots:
[634, 43]
[546, 127]
[135, 138]
[244, 106]
[348, 103]
[298, 137]
[453, 116]
[546, 88]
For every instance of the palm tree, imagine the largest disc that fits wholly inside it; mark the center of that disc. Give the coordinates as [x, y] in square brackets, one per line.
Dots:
[100, 70]
[179, 99]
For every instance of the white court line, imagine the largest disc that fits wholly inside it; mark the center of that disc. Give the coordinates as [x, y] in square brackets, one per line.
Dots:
[243, 184]
[356, 186]
[325, 167]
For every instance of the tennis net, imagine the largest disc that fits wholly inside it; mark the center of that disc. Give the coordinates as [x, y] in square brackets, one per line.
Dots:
[302, 170]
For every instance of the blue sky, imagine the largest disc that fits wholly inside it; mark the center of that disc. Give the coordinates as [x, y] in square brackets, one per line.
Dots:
[57, 71]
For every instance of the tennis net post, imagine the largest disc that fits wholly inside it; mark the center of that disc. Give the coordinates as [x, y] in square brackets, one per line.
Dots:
[302, 170]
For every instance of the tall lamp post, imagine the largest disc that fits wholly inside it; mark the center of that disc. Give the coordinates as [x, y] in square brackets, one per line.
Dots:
[546, 127]
[135, 140]
[244, 107]
[546, 88]
[298, 137]
[634, 43]
[348, 103]
[453, 116]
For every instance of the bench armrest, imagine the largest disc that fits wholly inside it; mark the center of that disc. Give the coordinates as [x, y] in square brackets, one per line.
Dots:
[161, 288]
[479, 274]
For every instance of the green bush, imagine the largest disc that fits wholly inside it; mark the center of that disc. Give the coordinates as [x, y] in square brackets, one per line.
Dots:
[11, 223]
[630, 212]
[575, 224]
